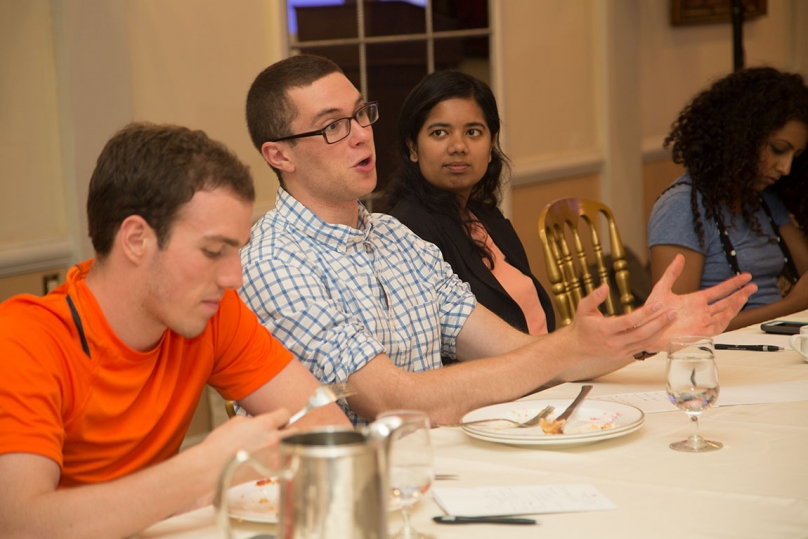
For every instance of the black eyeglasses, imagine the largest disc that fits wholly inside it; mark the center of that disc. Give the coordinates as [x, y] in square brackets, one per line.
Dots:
[339, 129]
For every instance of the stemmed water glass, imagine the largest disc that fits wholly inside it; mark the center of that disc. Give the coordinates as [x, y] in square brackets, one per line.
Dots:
[692, 385]
[411, 467]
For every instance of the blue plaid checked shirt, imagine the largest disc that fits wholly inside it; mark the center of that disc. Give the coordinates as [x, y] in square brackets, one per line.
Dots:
[338, 296]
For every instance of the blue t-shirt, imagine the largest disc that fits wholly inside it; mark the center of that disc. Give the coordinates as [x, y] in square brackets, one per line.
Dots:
[671, 223]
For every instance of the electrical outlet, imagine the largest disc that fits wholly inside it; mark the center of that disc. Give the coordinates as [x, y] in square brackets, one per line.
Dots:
[49, 282]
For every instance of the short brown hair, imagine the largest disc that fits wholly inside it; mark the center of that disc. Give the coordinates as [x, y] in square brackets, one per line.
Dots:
[269, 109]
[152, 170]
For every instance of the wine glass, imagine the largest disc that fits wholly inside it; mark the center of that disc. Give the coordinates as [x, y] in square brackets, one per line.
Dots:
[692, 385]
[411, 471]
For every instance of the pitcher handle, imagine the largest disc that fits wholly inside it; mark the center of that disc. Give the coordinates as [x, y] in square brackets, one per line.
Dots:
[221, 501]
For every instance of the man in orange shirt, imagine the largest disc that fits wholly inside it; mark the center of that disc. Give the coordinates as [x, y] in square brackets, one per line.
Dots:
[100, 378]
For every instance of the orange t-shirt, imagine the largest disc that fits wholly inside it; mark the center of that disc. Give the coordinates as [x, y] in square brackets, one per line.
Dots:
[117, 411]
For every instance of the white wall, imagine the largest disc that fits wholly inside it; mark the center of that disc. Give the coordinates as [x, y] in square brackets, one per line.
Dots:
[33, 215]
[678, 62]
[73, 72]
[192, 63]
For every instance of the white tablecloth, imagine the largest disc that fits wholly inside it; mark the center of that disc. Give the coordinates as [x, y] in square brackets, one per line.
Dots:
[756, 486]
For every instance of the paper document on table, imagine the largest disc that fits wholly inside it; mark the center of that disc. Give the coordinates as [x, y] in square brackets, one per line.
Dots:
[793, 391]
[522, 500]
[658, 401]
[647, 401]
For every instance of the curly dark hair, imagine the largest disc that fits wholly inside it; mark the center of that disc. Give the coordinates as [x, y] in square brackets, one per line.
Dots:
[719, 137]
[408, 182]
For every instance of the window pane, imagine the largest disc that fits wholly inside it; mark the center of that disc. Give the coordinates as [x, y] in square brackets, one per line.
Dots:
[322, 19]
[469, 55]
[459, 14]
[313, 20]
[394, 17]
[345, 56]
[393, 70]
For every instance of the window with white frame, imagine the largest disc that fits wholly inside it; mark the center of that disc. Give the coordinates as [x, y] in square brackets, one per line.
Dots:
[385, 47]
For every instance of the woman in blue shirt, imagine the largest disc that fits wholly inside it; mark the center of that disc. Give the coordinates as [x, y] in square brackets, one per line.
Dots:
[736, 139]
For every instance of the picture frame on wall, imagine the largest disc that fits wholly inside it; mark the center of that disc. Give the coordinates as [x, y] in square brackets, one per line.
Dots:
[690, 12]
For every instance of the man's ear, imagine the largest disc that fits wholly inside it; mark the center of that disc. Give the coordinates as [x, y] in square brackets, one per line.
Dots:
[278, 156]
[413, 151]
[136, 238]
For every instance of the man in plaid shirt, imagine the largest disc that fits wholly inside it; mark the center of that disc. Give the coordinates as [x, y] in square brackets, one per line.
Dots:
[358, 297]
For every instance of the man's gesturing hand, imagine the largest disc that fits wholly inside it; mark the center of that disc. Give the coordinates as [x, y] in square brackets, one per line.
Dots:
[706, 312]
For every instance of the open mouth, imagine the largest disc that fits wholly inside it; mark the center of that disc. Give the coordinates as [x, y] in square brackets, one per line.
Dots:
[366, 165]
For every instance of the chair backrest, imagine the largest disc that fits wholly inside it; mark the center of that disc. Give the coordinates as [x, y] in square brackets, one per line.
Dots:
[568, 267]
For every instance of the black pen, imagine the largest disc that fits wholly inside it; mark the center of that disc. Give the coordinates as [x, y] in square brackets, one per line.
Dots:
[750, 347]
[449, 519]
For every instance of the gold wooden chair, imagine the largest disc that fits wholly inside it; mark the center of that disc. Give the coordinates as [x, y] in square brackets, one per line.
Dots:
[568, 265]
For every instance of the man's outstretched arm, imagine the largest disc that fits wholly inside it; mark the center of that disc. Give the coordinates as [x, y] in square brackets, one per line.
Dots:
[591, 346]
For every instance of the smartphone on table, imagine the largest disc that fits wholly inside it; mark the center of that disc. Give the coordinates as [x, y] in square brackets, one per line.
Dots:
[783, 327]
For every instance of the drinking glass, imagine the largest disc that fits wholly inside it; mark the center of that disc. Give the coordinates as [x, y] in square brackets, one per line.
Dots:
[411, 467]
[692, 385]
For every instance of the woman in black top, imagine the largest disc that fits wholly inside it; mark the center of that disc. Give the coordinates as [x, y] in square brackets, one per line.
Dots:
[450, 169]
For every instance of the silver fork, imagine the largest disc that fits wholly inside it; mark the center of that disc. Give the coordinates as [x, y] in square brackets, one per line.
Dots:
[532, 422]
[323, 395]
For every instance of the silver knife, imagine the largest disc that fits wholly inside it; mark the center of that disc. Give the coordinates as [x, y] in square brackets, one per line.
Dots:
[577, 402]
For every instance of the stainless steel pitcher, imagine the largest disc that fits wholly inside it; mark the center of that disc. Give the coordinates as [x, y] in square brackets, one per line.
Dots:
[333, 483]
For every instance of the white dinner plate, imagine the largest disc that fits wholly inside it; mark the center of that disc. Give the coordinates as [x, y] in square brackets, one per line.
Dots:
[256, 501]
[592, 422]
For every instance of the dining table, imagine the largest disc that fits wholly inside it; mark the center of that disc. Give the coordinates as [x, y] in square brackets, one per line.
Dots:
[756, 486]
